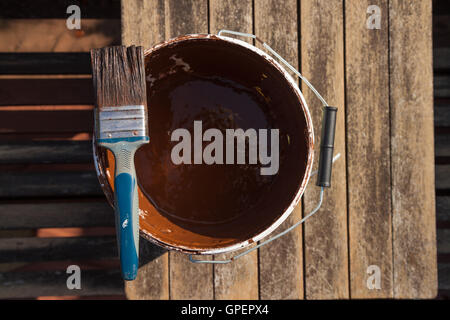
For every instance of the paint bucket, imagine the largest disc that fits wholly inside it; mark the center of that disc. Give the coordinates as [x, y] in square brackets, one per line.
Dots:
[226, 84]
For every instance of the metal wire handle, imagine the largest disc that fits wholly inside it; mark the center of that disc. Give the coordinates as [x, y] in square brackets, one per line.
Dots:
[319, 204]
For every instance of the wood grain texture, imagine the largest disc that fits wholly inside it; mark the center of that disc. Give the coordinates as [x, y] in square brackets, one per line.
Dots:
[45, 63]
[46, 121]
[53, 283]
[44, 35]
[368, 149]
[53, 183]
[238, 279]
[56, 215]
[68, 91]
[54, 249]
[412, 149]
[281, 262]
[322, 54]
[15, 152]
[142, 22]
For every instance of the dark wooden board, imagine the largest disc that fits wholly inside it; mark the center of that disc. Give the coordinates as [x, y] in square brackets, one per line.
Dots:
[16, 152]
[56, 215]
[443, 208]
[325, 234]
[49, 184]
[442, 116]
[53, 249]
[42, 91]
[54, 283]
[45, 63]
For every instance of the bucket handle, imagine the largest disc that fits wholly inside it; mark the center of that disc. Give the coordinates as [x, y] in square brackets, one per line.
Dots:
[325, 161]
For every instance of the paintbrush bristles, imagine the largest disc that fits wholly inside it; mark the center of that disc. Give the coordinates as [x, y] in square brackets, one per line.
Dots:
[118, 74]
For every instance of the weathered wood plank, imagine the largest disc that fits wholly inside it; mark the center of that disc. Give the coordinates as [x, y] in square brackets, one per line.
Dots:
[442, 116]
[442, 177]
[239, 279]
[444, 276]
[49, 184]
[152, 281]
[45, 121]
[53, 249]
[412, 156]
[443, 241]
[56, 215]
[38, 91]
[29, 9]
[41, 35]
[443, 208]
[17, 152]
[442, 86]
[53, 283]
[442, 145]
[441, 58]
[45, 63]
[326, 248]
[368, 155]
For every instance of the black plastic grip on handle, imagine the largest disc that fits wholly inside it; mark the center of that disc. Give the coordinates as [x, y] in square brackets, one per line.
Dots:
[326, 146]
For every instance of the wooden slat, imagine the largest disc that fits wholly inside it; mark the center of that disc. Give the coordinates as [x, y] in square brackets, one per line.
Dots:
[16, 152]
[187, 280]
[442, 116]
[326, 248]
[368, 158]
[443, 242]
[53, 249]
[152, 281]
[281, 262]
[45, 35]
[143, 22]
[49, 184]
[443, 208]
[239, 279]
[444, 276]
[53, 283]
[442, 145]
[38, 91]
[442, 177]
[56, 215]
[412, 158]
[441, 58]
[26, 9]
[45, 63]
[442, 86]
[46, 121]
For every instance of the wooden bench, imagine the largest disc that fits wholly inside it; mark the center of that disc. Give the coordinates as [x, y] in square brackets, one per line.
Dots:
[380, 210]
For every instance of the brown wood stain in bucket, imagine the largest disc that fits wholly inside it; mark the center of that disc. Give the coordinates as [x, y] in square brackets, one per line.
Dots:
[226, 86]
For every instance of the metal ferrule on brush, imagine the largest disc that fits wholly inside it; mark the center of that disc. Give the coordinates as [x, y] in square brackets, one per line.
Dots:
[122, 122]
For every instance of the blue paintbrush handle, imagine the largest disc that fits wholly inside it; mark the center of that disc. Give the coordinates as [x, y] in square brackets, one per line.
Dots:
[126, 203]
[126, 215]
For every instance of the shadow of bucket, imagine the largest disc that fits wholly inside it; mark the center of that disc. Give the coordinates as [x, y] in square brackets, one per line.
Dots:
[214, 208]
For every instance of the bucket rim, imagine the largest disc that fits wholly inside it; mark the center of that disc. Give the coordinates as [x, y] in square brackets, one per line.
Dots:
[310, 159]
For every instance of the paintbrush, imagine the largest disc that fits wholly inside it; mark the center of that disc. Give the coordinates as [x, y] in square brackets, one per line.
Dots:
[121, 126]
